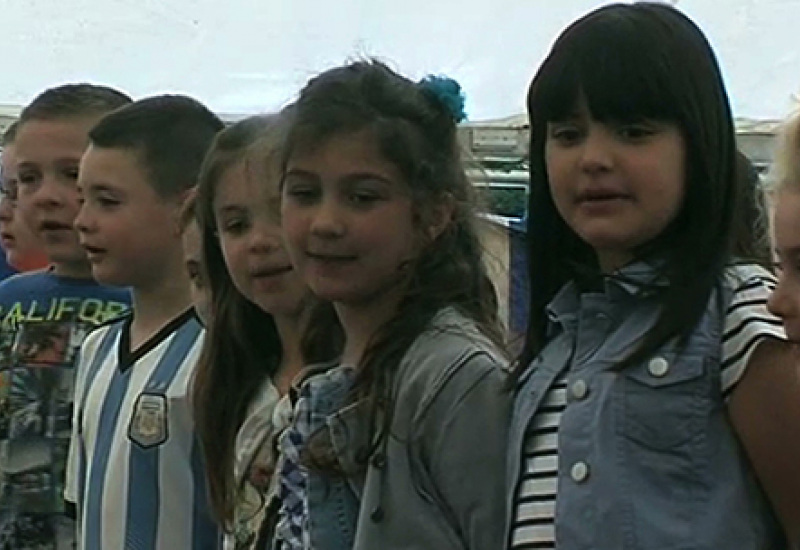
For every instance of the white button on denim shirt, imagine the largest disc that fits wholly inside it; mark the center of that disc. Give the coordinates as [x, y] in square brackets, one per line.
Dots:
[579, 472]
[658, 367]
[650, 460]
[579, 390]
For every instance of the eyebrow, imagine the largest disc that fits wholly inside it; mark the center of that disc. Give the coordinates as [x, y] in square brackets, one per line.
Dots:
[231, 209]
[299, 172]
[354, 177]
[58, 162]
[101, 188]
[362, 176]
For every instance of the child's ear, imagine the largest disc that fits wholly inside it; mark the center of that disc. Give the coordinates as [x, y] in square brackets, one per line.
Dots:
[441, 216]
[177, 212]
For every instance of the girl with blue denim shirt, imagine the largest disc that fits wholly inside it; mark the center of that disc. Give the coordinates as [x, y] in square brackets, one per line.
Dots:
[258, 311]
[656, 401]
[402, 444]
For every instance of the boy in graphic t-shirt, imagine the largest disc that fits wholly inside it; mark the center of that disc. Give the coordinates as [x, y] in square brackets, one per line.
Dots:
[44, 316]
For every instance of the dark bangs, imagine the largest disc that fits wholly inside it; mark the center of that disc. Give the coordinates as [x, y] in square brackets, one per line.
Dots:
[631, 62]
[612, 64]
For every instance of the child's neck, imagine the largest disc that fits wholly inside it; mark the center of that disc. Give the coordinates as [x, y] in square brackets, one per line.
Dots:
[73, 270]
[361, 322]
[290, 331]
[156, 305]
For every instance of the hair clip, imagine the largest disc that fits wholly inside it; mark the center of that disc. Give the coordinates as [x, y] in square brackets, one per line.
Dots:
[448, 92]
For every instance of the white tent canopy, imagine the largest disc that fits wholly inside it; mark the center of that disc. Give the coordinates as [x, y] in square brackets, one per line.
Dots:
[243, 56]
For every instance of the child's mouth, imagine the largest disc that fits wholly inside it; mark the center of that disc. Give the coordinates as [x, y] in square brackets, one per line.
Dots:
[330, 258]
[271, 272]
[54, 226]
[93, 251]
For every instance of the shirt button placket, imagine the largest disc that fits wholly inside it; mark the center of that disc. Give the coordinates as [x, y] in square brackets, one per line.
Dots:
[579, 390]
[579, 472]
[658, 367]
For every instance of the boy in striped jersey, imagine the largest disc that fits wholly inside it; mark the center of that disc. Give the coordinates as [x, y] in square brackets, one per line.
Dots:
[135, 467]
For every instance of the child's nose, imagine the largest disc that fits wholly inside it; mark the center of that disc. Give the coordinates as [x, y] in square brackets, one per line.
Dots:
[265, 239]
[46, 194]
[6, 210]
[328, 220]
[82, 220]
[596, 153]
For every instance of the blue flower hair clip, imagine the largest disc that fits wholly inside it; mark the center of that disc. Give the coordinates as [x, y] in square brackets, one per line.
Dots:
[448, 92]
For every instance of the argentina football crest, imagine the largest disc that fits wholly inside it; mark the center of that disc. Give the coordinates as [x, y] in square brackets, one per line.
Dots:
[148, 426]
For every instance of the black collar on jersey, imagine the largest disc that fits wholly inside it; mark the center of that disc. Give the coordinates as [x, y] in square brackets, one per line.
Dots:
[127, 357]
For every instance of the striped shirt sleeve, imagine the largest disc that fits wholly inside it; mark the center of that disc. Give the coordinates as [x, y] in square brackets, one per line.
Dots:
[747, 321]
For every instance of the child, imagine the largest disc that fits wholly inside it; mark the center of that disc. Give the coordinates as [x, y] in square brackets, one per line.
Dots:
[191, 240]
[135, 470]
[403, 444]
[253, 347]
[655, 386]
[751, 238]
[46, 314]
[785, 177]
[22, 249]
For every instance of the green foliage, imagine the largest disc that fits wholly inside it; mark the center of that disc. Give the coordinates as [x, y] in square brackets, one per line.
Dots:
[506, 202]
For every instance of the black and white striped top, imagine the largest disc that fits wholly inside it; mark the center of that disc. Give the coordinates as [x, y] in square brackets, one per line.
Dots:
[747, 322]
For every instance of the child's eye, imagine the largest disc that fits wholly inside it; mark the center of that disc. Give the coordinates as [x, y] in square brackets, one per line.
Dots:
[9, 190]
[564, 133]
[301, 194]
[235, 226]
[634, 132]
[364, 198]
[28, 179]
[70, 173]
[107, 202]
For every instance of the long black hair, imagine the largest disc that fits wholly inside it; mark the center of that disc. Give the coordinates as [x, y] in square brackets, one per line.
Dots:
[631, 62]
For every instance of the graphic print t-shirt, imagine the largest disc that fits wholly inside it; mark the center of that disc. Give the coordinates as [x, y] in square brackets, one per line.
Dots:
[43, 320]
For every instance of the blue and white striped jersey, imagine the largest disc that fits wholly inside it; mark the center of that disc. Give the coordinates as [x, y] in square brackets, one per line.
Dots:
[135, 468]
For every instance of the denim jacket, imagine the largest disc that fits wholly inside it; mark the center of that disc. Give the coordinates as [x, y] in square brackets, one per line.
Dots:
[648, 457]
[438, 482]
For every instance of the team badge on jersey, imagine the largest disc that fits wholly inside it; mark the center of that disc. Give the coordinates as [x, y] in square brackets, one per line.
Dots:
[148, 425]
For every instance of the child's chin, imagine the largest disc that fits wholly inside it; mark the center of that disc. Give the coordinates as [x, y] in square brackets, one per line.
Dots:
[106, 276]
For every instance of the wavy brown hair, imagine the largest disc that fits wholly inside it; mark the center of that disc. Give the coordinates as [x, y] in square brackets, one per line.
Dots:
[416, 132]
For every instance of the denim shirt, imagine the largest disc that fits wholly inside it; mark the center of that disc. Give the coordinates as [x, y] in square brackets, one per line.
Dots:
[333, 501]
[438, 480]
[648, 457]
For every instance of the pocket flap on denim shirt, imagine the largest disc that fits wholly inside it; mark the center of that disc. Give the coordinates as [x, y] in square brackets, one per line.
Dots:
[666, 370]
[664, 405]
